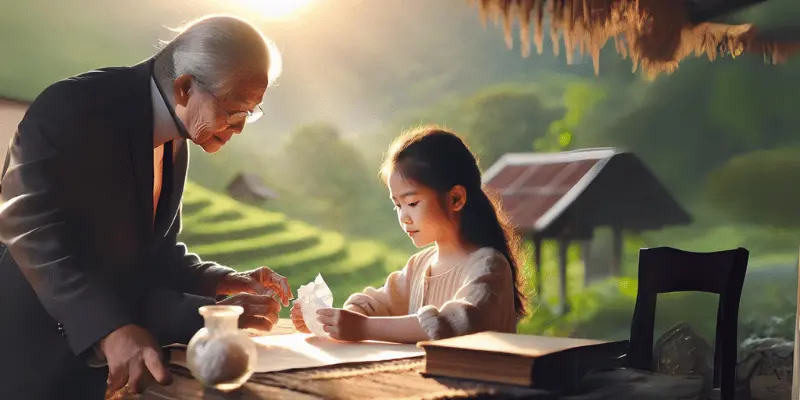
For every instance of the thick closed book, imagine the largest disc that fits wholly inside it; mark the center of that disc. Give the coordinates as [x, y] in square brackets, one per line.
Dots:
[552, 363]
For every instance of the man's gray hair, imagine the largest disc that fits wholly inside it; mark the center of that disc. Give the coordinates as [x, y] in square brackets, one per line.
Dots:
[216, 48]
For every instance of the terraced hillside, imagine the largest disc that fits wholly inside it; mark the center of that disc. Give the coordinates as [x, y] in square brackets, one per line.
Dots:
[243, 237]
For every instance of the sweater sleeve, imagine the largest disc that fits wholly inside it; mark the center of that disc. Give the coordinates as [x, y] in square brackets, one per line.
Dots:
[484, 302]
[389, 300]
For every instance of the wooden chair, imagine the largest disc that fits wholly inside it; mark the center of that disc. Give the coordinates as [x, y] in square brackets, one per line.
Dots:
[665, 270]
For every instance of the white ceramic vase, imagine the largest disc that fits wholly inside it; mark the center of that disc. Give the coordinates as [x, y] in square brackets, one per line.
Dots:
[221, 355]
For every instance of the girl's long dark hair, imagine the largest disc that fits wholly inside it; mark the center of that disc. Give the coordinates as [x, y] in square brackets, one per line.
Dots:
[439, 159]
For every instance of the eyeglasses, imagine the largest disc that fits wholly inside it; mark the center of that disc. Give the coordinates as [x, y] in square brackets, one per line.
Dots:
[237, 117]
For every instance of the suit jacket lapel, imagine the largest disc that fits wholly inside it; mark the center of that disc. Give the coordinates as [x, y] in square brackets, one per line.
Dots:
[175, 165]
[141, 140]
[176, 160]
[180, 167]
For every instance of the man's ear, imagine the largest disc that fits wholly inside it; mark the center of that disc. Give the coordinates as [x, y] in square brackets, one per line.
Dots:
[458, 198]
[181, 88]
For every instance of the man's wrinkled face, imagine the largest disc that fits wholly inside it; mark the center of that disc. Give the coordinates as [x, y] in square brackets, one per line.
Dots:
[211, 119]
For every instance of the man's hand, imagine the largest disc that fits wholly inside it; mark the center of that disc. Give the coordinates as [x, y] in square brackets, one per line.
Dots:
[260, 281]
[131, 352]
[297, 319]
[260, 311]
[343, 324]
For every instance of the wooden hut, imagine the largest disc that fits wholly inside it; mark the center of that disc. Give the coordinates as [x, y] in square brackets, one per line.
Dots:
[566, 196]
[250, 188]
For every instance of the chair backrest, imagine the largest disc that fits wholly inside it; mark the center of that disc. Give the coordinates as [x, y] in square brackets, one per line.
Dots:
[666, 270]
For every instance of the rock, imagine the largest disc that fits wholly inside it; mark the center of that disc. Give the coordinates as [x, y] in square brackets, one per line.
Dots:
[680, 351]
[767, 363]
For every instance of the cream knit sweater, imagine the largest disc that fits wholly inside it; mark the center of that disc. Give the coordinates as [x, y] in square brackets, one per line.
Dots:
[473, 296]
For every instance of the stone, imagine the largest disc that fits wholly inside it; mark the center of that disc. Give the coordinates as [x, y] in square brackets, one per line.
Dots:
[680, 351]
[767, 363]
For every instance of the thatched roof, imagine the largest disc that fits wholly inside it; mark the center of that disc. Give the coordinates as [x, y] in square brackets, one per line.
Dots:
[656, 34]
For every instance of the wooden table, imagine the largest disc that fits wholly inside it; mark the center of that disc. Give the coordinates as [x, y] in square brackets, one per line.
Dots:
[386, 379]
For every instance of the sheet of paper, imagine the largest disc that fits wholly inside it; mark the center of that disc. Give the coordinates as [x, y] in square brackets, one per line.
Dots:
[312, 297]
[299, 350]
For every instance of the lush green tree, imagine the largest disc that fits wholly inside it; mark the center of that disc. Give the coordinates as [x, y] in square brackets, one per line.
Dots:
[323, 166]
[504, 119]
[760, 187]
[579, 99]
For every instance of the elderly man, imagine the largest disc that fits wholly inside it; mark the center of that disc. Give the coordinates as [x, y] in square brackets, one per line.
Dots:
[92, 277]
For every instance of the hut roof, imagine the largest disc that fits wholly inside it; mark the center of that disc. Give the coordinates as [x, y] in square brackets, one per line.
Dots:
[255, 184]
[551, 194]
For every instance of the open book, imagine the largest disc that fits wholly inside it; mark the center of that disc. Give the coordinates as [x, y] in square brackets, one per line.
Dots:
[551, 363]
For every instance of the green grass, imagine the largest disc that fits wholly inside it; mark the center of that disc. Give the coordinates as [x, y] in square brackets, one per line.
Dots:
[244, 237]
[604, 310]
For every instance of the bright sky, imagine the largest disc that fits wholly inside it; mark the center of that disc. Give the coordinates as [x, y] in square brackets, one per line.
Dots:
[275, 9]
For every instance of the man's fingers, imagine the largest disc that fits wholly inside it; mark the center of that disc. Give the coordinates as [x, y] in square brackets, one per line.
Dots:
[274, 287]
[135, 375]
[117, 377]
[249, 321]
[257, 298]
[285, 290]
[152, 358]
[255, 309]
[259, 289]
[267, 277]
[273, 317]
[241, 299]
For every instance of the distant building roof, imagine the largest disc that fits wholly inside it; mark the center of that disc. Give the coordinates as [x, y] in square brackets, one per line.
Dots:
[254, 184]
[573, 192]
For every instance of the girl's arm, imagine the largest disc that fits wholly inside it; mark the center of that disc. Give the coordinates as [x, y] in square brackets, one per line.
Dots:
[348, 325]
[404, 329]
[484, 302]
[390, 299]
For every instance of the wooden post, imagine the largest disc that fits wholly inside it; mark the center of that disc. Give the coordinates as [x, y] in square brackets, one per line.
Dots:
[537, 265]
[563, 246]
[616, 265]
[586, 255]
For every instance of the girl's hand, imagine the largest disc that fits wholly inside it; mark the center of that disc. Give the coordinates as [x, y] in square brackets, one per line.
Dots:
[297, 318]
[343, 324]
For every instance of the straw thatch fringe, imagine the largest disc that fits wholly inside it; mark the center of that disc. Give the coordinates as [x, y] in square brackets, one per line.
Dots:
[655, 34]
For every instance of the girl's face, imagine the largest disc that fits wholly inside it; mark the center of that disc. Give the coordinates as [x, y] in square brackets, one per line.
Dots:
[420, 212]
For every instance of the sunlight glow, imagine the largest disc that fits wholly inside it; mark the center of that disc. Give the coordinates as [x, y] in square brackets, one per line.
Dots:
[276, 9]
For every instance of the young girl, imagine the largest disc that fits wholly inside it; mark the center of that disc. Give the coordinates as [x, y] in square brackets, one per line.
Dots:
[467, 282]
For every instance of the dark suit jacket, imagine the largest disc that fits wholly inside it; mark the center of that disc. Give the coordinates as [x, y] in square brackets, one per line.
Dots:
[80, 256]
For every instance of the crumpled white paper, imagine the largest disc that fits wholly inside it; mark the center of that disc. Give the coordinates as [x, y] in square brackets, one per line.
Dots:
[312, 297]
